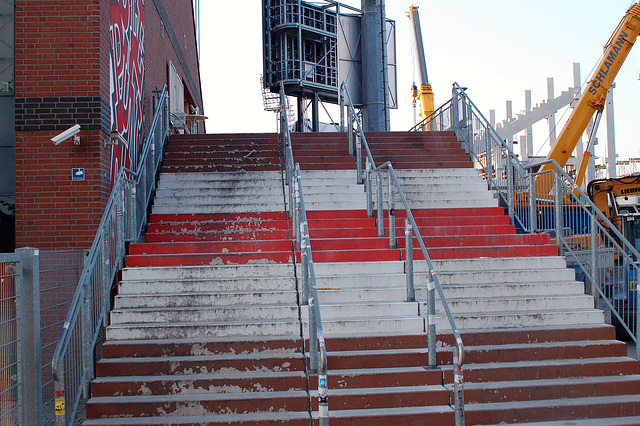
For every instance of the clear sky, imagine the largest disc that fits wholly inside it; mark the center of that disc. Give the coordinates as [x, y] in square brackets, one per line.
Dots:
[496, 48]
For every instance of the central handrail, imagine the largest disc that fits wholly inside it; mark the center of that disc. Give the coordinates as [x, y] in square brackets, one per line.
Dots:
[298, 215]
[433, 282]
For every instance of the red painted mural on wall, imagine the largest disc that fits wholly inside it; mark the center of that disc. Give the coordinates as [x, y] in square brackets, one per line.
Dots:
[127, 80]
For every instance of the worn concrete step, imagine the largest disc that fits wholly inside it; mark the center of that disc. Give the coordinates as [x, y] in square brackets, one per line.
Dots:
[201, 347]
[200, 364]
[550, 369]
[473, 320]
[356, 378]
[416, 415]
[497, 264]
[195, 330]
[386, 397]
[552, 409]
[556, 388]
[514, 304]
[204, 259]
[217, 208]
[220, 199]
[237, 246]
[363, 310]
[177, 405]
[214, 177]
[299, 418]
[530, 275]
[243, 284]
[202, 313]
[184, 384]
[201, 299]
[208, 271]
[516, 289]
[382, 325]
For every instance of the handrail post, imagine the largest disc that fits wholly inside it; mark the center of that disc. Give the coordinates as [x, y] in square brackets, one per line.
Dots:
[558, 211]
[359, 158]
[458, 388]
[455, 121]
[510, 191]
[342, 128]
[350, 130]
[380, 218]
[304, 265]
[296, 212]
[393, 243]
[313, 335]
[408, 265]
[369, 189]
[431, 319]
[489, 159]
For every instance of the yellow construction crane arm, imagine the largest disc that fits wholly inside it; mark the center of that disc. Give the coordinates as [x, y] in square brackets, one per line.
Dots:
[422, 90]
[594, 97]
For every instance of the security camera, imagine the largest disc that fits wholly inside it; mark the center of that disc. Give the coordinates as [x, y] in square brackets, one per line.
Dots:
[71, 132]
[117, 139]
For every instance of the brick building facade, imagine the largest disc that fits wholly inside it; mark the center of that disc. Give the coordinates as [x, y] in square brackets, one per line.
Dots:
[95, 63]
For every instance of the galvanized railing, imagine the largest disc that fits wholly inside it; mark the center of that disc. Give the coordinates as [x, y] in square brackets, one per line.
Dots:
[411, 227]
[551, 202]
[123, 221]
[309, 290]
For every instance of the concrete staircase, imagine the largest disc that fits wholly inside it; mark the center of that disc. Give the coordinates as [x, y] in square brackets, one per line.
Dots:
[206, 327]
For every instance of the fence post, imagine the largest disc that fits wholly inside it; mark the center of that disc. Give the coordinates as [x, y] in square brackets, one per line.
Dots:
[30, 345]
[350, 131]
[342, 129]
[408, 266]
[594, 259]
[533, 215]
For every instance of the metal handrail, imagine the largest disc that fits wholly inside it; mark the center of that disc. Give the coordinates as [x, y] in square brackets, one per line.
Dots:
[433, 282]
[123, 221]
[592, 244]
[439, 112]
[298, 213]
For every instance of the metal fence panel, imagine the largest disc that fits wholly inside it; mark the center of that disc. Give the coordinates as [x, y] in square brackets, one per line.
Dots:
[10, 383]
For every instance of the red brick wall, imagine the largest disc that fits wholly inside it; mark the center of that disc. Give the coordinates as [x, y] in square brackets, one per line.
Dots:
[62, 78]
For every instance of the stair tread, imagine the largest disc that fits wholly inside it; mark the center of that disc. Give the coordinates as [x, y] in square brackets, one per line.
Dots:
[133, 399]
[247, 418]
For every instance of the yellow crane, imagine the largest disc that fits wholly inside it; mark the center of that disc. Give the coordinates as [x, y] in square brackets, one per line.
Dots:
[422, 91]
[593, 98]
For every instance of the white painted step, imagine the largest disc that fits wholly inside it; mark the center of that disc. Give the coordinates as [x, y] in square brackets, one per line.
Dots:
[203, 285]
[203, 314]
[123, 301]
[203, 330]
[472, 321]
[208, 272]
[499, 304]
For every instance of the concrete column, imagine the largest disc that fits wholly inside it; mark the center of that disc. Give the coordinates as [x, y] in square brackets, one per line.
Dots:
[611, 135]
[374, 67]
[552, 118]
[527, 107]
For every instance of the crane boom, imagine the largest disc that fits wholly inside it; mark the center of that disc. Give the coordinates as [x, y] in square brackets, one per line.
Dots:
[594, 97]
[424, 90]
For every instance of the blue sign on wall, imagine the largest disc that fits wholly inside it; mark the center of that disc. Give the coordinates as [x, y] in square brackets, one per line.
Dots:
[77, 174]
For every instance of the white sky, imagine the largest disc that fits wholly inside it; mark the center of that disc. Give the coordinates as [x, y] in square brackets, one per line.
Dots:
[496, 48]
